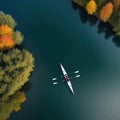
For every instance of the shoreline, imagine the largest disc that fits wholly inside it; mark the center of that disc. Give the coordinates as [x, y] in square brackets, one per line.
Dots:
[112, 20]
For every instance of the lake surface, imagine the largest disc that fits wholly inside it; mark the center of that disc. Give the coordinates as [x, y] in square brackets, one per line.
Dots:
[57, 31]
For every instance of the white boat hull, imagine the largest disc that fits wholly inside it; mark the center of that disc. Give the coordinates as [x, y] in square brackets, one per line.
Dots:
[70, 86]
[67, 79]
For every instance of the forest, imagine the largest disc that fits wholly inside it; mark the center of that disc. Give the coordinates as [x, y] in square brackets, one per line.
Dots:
[16, 65]
[105, 10]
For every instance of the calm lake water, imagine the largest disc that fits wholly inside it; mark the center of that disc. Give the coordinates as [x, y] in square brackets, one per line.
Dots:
[58, 31]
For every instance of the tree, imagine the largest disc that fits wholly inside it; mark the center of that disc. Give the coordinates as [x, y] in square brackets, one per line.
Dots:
[6, 19]
[18, 37]
[91, 7]
[5, 29]
[16, 66]
[13, 104]
[6, 42]
[106, 12]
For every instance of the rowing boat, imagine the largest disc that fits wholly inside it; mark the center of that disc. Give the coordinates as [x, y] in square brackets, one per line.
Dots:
[67, 78]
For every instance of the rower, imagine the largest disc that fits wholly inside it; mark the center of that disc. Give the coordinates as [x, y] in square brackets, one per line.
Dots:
[66, 77]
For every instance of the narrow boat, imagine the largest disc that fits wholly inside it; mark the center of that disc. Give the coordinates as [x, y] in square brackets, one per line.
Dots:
[67, 78]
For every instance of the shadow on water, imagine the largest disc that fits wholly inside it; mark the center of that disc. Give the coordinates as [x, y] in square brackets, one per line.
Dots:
[13, 103]
[84, 17]
[102, 27]
[116, 40]
[27, 87]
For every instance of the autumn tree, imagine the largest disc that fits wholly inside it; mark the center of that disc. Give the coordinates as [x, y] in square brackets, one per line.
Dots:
[6, 42]
[106, 12]
[15, 66]
[6, 37]
[7, 24]
[6, 30]
[91, 7]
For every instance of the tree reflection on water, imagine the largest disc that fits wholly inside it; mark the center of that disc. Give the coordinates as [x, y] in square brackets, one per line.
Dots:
[13, 104]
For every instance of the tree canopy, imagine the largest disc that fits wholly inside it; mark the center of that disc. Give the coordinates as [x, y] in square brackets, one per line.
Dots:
[16, 65]
[106, 11]
[6, 19]
[6, 42]
[91, 7]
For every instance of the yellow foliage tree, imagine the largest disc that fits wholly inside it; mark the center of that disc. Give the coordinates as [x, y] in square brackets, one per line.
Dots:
[106, 11]
[5, 29]
[91, 7]
[6, 42]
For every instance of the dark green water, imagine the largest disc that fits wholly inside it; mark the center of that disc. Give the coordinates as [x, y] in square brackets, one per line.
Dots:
[54, 32]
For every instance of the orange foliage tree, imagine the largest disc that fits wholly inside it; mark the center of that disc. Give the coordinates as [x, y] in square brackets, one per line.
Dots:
[106, 11]
[91, 7]
[6, 42]
[6, 34]
[5, 29]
